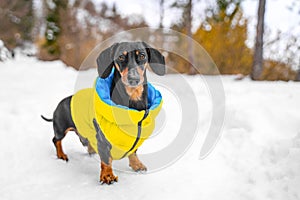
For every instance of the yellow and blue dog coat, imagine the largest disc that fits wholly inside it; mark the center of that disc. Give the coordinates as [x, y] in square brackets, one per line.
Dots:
[124, 128]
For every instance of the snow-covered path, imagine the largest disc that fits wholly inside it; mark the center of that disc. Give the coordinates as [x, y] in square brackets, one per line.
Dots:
[257, 157]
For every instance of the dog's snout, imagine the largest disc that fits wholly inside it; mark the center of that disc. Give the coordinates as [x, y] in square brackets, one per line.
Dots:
[132, 73]
[133, 77]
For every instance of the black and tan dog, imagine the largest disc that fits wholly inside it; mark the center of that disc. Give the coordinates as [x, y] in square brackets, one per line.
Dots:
[123, 66]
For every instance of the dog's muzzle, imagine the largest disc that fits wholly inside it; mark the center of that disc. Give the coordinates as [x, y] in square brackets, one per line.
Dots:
[133, 78]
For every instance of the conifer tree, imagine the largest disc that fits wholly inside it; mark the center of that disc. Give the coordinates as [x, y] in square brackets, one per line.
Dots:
[53, 27]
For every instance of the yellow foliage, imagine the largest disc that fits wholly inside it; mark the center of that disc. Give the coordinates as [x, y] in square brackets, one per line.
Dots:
[224, 40]
[181, 63]
[273, 71]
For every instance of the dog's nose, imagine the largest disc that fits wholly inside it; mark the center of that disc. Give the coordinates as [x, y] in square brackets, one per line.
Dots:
[133, 82]
[133, 77]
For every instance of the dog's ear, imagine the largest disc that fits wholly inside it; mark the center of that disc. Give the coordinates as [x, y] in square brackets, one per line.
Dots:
[156, 60]
[105, 61]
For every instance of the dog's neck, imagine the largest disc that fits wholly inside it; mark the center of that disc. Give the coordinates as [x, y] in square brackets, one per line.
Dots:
[127, 96]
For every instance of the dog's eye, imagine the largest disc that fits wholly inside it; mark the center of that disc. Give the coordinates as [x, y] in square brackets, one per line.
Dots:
[121, 58]
[142, 56]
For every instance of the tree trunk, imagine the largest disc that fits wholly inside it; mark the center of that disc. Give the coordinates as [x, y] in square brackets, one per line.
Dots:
[298, 75]
[190, 36]
[162, 13]
[257, 66]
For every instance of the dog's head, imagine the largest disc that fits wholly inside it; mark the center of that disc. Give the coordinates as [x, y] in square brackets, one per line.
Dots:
[130, 59]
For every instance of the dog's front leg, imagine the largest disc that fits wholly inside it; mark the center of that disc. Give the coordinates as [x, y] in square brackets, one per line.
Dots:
[104, 147]
[106, 174]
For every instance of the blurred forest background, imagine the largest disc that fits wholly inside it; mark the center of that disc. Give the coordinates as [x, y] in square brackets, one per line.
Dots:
[69, 29]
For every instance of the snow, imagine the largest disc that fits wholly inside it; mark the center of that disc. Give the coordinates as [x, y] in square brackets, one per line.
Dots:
[257, 157]
[4, 53]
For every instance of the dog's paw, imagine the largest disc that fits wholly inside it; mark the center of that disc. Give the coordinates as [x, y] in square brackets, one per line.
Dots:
[138, 167]
[108, 179]
[62, 156]
[136, 164]
[107, 176]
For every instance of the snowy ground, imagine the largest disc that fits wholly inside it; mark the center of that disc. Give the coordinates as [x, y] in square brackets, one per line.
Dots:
[257, 157]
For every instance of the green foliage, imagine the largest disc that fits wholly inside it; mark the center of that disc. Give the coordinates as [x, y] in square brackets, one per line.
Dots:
[53, 26]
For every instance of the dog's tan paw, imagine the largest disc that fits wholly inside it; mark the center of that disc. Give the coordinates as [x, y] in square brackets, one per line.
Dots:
[108, 179]
[136, 164]
[63, 157]
[107, 176]
[59, 151]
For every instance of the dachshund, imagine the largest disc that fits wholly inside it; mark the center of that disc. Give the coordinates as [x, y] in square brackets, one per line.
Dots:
[126, 62]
